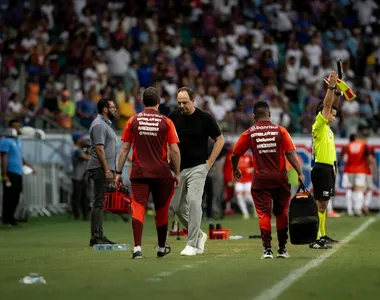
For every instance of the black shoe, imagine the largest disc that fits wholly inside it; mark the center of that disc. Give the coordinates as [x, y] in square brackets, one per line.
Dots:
[96, 241]
[319, 245]
[107, 241]
[268, 253]
[166, 251]
[282, 253]
[328, 240]
[136, 255]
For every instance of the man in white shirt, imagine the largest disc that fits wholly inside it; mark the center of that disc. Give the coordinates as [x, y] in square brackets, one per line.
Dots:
[118, 59]
[314, 52]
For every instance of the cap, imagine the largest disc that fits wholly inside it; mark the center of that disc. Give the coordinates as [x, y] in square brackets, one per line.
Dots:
[77, 135]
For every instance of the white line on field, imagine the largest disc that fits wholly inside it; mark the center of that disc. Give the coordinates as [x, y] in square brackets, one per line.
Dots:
[276, 290]
[162, 275]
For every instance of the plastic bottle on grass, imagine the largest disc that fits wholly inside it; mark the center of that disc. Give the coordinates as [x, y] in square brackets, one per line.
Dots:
[33, 278]
[115, 247]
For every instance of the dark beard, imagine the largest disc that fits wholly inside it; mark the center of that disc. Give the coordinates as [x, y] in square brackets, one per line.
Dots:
[110, 116]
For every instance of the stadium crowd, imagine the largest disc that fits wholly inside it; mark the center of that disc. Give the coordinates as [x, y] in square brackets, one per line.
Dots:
[58, 58]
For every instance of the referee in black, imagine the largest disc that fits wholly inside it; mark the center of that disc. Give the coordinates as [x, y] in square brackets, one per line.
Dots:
[194, 128]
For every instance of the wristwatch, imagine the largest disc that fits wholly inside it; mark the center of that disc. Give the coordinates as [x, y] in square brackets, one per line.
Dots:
[119, 173]
[338, 93]
[331, 87]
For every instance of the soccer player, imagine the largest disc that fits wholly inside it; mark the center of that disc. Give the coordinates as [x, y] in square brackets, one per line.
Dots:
[228, 182]
[270, 145]
[150, 132]
[356, 164]
[243, 186]
[324, 171]
[371, 173]
[345, 180]
[194, 128]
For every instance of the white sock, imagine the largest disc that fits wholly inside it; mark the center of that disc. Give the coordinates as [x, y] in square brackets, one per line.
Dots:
[228, 205]
[330, 206]
[136, 248]
[358, 201]
[368, 198]
[249, 199]
[349, 202]
[242, 204]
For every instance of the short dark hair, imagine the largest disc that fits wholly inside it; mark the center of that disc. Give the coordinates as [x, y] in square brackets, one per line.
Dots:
[261, 109]
[151, 97]
[13, 121]
[352, 137]
[189, 91]
[102, 104]
[320, 108]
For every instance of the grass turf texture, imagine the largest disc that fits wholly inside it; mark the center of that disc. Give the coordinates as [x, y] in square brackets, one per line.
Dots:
[57, 248]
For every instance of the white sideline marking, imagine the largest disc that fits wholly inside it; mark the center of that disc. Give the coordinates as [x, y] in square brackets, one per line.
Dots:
[276, 290]
[162, 275]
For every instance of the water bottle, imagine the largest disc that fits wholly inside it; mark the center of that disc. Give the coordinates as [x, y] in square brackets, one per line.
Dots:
[33, 278]
[115, 247]
[235, 237]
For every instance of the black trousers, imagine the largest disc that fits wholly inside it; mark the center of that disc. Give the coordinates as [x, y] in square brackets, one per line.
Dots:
[11, 197]
[80, 202]
[97, 212]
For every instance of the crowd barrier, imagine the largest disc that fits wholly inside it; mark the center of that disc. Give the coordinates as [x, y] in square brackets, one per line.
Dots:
[45, 193]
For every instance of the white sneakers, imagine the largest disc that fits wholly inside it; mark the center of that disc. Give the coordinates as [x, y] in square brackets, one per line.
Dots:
[201, 243]
[191, 251]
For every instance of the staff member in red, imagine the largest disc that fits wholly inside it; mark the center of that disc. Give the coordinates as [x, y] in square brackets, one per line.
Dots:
[150, 133]
[270, 145]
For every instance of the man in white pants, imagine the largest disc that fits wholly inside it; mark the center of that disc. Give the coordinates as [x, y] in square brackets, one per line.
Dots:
[356, 162]
[371, 175]
[243, 186]
[194, 128]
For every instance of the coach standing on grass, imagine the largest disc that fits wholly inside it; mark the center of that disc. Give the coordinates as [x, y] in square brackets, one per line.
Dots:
[270, 145]
[194, 127]
[102, 165]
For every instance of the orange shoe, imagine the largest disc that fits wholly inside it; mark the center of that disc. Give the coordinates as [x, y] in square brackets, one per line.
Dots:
[333, 214]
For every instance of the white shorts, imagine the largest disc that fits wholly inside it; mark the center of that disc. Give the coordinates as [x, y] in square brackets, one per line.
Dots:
[354, 180]
[369, 182]
[242, 187]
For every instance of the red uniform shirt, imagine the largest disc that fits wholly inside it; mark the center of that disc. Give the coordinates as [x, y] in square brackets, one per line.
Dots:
[268, 143]
[150, 133]
[357, 162]
[246, 166]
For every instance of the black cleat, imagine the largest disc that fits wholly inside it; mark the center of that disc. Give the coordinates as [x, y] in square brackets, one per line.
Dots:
[282, 253]
[137, 255]
[268, 253]
[319, 244]
[328, 240]
[166, 251]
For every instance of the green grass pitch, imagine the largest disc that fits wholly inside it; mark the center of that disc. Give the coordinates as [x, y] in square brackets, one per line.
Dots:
[57, 248]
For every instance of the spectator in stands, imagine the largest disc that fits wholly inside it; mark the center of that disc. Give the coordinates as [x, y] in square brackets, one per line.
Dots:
[12, 163]
[67, 109]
